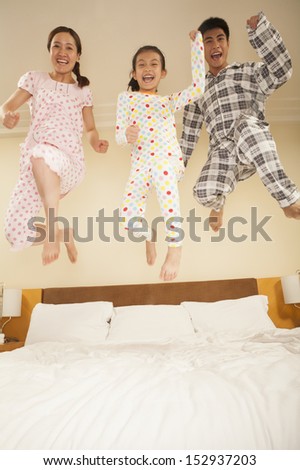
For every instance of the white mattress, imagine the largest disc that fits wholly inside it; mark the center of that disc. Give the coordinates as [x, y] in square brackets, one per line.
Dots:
[204, 392]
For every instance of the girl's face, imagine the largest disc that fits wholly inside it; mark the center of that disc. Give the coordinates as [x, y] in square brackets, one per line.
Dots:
[148, 71]
[64, 55]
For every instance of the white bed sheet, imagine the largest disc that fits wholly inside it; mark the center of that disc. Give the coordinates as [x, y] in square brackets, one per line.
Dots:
[203, 392]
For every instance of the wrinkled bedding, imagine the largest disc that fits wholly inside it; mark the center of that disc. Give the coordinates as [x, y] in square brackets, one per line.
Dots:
[207, 391]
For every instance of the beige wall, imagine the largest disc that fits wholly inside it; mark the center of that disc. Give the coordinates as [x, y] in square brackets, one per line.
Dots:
[111, 31]
[117, 263]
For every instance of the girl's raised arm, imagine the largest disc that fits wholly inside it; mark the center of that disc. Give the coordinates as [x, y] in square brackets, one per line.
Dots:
[196, 89]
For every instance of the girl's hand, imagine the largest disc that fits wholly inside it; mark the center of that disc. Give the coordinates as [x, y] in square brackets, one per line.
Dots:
[253, 21]
[101, 146]
[132, 133]
[193, 34]
[10, 120]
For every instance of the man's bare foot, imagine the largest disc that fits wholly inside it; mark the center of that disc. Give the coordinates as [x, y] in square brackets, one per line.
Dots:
[293, 211]
[51, 250]
[171, 265]
[150, 252]
[66, 236]
[216, 219]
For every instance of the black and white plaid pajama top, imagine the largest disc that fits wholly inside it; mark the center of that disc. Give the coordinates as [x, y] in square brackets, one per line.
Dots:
[233, 110]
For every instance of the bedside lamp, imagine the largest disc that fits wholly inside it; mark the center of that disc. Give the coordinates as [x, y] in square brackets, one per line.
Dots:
[11, 304]
[291, 289]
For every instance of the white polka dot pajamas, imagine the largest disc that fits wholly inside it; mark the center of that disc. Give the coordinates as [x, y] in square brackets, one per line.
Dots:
[55, 134]
[156, 159]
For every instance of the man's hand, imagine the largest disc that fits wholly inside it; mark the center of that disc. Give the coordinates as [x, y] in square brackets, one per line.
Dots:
[253, 21]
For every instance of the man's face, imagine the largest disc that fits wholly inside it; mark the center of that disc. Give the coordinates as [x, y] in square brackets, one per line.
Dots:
[216, 48]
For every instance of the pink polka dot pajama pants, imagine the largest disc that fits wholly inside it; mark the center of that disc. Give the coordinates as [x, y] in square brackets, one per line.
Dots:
[25, 202]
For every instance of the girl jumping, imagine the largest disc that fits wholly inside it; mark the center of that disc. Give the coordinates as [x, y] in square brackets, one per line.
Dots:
[146, 120]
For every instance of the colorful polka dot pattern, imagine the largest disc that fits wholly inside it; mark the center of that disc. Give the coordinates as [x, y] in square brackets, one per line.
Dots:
[157, 147]
[163, 178]
[55, 134]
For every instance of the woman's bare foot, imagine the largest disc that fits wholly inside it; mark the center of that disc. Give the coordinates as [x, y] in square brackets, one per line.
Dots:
[171, 265]
[51, 249]
[293, 211]
[216, 219]
[66, 236]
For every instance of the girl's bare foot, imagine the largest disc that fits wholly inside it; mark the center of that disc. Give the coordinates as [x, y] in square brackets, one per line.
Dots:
[293, 211]
[151, 248]
[66, 236]
[150, 252]
[216, 219]
[171, 265]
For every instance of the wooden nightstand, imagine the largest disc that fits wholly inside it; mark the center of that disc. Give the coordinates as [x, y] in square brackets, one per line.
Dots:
[11, 346]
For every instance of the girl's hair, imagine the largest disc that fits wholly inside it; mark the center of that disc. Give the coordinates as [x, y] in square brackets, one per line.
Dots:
[212, 23]
[133, 84]
[81, 80]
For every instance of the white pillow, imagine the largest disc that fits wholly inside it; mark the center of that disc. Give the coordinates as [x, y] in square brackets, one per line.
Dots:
[247, 313]
[81, 322]
[149, 323]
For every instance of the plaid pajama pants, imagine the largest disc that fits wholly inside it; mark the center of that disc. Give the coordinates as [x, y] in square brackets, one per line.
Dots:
[252, 149]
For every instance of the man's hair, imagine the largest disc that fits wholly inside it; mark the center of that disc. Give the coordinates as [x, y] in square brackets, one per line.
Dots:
[212, 23]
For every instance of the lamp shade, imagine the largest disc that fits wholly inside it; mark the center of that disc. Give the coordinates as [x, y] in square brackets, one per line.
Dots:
[291, 288]
[12, 301]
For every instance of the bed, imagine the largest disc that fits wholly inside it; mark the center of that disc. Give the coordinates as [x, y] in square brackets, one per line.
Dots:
[195, 365]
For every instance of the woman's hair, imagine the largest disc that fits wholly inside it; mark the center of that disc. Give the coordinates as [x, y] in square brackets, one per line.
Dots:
[133, 84]
[81, 80]
[212, 23]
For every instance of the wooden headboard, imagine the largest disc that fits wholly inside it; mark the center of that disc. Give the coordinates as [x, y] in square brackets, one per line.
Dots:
[165, 293]
[283, 316]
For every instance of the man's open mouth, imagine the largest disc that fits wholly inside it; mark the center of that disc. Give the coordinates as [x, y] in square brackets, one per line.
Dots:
[216, 56]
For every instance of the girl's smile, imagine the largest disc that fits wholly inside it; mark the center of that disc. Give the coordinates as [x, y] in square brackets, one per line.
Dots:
[148, 71]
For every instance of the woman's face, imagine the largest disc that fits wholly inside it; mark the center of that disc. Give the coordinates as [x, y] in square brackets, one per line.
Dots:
[63, 53]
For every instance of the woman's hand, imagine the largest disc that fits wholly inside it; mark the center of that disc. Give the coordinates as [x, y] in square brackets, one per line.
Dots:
[101, 146]
[10, 119]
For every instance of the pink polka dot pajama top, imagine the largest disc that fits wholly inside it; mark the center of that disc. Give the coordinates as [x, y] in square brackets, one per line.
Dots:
[55, 134]
[156, 159]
